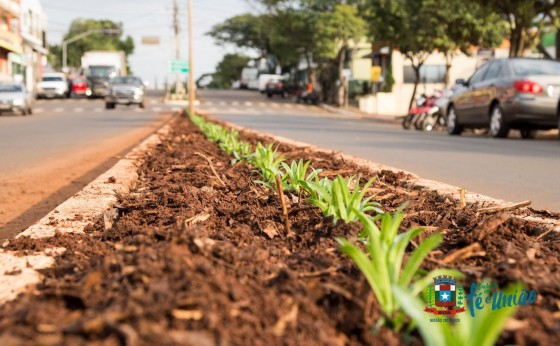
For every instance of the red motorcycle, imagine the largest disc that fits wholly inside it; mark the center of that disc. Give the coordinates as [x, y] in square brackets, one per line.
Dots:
[424, 105]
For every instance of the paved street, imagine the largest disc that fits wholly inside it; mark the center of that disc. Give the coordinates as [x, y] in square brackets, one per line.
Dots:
[510, 169]
[50, 155]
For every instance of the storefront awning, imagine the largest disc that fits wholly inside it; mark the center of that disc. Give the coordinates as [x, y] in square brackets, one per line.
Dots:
[11, 42]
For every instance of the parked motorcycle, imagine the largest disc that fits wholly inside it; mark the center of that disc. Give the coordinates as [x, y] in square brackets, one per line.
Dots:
[424, 105]
[435, 118]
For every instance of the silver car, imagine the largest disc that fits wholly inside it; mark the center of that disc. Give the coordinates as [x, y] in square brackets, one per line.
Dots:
[126, 90]
[504, 94]
[15, 98]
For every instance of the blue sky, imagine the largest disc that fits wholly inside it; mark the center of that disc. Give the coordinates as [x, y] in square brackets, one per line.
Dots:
[151, 18]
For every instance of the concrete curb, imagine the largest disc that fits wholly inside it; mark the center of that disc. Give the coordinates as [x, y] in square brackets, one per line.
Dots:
[358, 115]
[72, 216]
[447, 190]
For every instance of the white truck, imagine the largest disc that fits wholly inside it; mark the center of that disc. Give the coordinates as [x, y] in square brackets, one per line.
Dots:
[249, 78]
[100, 67]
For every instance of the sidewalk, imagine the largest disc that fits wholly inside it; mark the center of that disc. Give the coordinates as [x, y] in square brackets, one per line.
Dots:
[354, 112]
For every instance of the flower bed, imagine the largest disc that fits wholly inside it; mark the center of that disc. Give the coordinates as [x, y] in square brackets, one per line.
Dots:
[202, 254]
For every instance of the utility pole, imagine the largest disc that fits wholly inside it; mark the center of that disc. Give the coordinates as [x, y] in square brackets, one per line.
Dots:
[191, 71]
[177, 29]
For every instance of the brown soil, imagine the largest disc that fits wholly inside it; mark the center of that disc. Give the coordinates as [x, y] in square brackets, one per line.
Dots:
[158, 276]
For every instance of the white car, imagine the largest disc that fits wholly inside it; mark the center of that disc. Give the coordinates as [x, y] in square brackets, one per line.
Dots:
[53, 85]
[14, 98]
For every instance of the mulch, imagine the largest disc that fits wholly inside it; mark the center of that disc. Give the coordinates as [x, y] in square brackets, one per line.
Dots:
[190, 261]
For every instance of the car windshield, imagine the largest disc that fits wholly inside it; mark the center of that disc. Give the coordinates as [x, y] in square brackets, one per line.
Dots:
[126, 80]
[10, 88]
[101, 71]
[52, 79]
[531, 67]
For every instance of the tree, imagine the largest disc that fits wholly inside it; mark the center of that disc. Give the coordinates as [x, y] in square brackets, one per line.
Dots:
[98, 41]
[334, 31]
[244, 31]
[406, 25]
[461, 25]
[522, 16]
[228, 70]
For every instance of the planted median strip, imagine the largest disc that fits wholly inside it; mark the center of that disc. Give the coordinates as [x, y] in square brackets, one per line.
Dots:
[210, 247]
[394, 281]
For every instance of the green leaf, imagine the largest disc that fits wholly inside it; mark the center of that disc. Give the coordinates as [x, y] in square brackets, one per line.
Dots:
[418, 256]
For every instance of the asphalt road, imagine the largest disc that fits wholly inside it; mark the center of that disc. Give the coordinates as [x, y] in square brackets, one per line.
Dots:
[511, 169]
[58, 126]
[48, 156]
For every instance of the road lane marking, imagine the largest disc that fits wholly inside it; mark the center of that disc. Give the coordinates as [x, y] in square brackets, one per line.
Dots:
[222, 103]
[235, 103]
[58, 110]
[248, 103]
[275, 105]
[287, 105]
[157, 109]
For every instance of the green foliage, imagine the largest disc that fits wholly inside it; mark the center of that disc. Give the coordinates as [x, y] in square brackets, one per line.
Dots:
[98, 41]
[335, 29]
[267, 162]
[228, 70]
[243, 31]
[296, 174]
[336, 198]
[385, 268]
[232, 145]
[482, 330]
[522, 17]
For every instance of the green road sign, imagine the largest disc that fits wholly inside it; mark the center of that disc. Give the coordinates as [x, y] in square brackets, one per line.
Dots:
[178, 66]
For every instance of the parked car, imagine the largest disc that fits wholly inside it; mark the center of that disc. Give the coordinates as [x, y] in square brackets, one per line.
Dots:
[276, 87]
[15, 98]
[504, 94]
[126, 90]
[79, 87]
[264, 79]
[53, 85]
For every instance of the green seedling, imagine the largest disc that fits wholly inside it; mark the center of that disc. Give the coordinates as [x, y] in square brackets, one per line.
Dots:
[336, 198]
[482, 330]
[383, 264]
[296, 174]
[267, 164]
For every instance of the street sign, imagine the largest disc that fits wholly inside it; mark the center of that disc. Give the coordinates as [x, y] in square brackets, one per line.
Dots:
[375, 73]
[178, 66]
[151, 40]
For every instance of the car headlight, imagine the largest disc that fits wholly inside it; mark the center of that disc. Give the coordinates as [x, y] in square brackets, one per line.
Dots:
[138, 92]
[18, 102]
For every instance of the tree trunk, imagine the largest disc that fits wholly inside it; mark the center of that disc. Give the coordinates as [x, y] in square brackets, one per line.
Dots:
[416, 81]
[448, 61]
[310, 70]
[341, 78]
[557, 57]
[516, 40]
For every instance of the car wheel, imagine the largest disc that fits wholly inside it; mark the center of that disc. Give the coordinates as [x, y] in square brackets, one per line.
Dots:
[498, 126]
[142, 104]
[24, 111]
[453, 126]
[109, 106]
[269, 96]
[528, 133]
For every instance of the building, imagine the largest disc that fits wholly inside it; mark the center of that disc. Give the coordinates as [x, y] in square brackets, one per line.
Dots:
[11, 62]
[33, 33]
